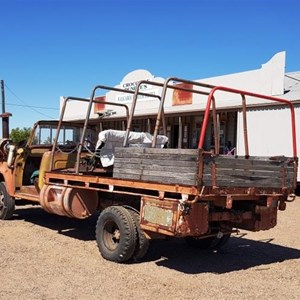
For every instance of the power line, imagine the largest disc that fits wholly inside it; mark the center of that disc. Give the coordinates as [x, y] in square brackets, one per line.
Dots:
[26, 105]
[23, 105]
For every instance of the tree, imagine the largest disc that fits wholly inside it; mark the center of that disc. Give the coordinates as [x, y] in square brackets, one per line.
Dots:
[47, 141]
[17, 135]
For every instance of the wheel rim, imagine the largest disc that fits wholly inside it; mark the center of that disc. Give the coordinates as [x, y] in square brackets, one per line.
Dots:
[111, 235]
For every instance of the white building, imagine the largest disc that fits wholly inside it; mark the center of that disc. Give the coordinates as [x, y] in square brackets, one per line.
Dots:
[269, 126]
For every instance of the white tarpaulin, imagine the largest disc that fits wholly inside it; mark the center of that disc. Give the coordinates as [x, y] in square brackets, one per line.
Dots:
[109, 139]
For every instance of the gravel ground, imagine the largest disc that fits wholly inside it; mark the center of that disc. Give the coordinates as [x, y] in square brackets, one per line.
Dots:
[44, 256]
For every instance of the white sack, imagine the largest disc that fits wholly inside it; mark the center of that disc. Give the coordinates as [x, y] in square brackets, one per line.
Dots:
[110, 139]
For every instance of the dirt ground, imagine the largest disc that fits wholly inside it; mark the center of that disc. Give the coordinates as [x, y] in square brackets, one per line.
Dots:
[44, 256]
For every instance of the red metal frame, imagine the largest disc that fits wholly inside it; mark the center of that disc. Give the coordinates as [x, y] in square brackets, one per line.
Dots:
[243, 94]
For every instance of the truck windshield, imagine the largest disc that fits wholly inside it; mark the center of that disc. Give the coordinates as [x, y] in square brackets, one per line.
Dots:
[68, 135]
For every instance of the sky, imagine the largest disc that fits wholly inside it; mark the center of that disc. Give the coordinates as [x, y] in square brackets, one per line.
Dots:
[53, 48]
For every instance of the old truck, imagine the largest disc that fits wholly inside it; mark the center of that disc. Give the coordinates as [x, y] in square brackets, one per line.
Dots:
[142, 188]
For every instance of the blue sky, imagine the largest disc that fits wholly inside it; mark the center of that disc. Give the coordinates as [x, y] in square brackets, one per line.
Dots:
[51, 48]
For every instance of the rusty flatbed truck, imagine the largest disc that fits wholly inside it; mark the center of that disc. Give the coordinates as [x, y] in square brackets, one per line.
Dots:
[149, 191]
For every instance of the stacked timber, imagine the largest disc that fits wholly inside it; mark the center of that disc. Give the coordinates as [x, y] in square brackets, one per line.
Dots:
[169, 166]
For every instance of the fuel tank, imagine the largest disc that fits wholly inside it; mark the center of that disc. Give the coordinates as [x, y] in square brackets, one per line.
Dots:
[67, 201]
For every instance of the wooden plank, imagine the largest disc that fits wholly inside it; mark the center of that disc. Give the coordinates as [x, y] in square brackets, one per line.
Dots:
[241, 183]
[153, 153]
[255, 158]
[178, 157]
[258, 182]
[253, 166]
[242, 162]
[250, 173]
[247, 184]
[158, 179]
[175, 169]
[155, 173]
[161, 162]
[246, 167]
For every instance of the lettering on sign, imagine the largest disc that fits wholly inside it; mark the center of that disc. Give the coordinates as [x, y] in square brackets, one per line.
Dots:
[131, 86]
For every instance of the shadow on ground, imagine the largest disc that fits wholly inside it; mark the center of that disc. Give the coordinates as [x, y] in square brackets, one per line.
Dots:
[79, 229]
[240, 253]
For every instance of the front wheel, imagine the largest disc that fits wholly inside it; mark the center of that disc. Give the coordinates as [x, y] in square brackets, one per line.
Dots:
[7, 203]
[116, 234]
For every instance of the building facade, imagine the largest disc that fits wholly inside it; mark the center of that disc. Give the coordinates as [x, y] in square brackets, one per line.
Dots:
[268, 123]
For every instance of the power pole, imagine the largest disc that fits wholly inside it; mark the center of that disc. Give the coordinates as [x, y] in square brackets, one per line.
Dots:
[3, 96]
[5, 115]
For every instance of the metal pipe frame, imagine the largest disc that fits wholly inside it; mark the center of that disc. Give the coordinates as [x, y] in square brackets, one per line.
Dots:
[245, 127]
[216, 127]
[91, 100]
[60, 123]
[136, 93]
[243, 94]
[210, 105]
[164, 93]
[160, 114]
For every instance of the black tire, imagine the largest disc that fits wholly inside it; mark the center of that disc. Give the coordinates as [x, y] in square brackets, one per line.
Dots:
[7, 203]
[211, 242]
[116, 234]
[142, 244]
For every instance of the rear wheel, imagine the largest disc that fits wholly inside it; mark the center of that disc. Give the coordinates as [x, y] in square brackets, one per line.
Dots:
[142, 244]
[7, 203]
[116, 234]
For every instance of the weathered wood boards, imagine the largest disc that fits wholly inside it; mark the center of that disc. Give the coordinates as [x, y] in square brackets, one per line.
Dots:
[181, 166]
[170, 166]
[260, 172]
